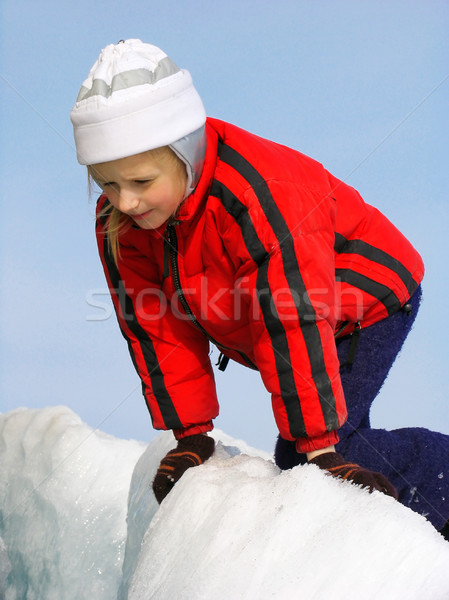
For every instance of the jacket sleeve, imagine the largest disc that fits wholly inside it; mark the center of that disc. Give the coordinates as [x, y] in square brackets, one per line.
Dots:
[169, 354]
[288, 234]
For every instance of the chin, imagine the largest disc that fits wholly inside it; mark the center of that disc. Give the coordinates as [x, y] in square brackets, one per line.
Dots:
[153, 224]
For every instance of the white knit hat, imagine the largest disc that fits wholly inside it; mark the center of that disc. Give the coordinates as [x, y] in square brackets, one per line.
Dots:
[134, 99]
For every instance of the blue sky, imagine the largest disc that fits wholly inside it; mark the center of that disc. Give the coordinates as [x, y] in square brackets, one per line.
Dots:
[361, 86]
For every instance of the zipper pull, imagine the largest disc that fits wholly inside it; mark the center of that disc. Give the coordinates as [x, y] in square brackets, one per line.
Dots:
[355, 337]
[222, 362]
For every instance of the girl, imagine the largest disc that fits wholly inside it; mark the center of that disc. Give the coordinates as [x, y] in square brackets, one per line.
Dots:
[208, 233]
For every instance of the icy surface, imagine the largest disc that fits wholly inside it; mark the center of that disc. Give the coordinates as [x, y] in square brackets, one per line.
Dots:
[63, 497]
[234, 528]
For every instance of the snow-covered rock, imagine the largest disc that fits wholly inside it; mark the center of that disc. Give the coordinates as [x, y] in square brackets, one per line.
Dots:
[78, 520]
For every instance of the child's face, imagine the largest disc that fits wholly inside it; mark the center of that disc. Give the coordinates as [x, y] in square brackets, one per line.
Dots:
[148, 188]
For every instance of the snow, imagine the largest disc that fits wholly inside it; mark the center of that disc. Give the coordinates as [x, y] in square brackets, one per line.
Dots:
[78, 520]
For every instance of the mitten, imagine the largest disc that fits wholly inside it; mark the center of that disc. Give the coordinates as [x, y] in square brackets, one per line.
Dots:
[339, 467]
[191, 451]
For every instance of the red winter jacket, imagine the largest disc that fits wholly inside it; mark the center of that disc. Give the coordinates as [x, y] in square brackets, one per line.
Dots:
[269, 258]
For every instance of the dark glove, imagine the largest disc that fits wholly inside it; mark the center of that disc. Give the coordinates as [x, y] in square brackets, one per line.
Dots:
[190, 452]
[339, 467]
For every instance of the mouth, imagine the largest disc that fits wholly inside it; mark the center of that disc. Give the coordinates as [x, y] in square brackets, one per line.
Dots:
[142, 215]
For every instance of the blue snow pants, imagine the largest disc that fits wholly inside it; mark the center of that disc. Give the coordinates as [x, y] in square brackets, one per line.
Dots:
[414, 459]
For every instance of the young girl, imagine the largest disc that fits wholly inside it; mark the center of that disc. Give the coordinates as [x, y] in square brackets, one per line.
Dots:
[208, 233]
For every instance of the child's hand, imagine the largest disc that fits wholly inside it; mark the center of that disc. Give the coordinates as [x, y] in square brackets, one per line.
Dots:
[339, 467]
[190, 452]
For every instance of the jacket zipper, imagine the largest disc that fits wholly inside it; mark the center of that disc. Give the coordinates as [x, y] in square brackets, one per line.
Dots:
[171, 240]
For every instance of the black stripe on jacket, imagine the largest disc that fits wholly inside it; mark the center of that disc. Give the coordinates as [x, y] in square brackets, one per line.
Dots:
[273, 324]
[381, 292]
[168, 411]
[344, 246]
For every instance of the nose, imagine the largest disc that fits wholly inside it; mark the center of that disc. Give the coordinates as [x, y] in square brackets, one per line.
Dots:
[128, 201]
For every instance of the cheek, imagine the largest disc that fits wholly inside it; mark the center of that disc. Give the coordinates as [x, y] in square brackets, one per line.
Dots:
[170, 197]
[180, 191]
[178, 198]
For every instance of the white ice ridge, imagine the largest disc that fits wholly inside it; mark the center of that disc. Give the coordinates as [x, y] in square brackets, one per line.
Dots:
[78, 521]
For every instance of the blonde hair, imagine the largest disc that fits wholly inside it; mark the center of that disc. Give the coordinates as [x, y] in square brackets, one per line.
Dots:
[116, 222]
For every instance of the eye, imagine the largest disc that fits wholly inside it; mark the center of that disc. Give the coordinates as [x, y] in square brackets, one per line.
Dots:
[142, 181]
[110, 187]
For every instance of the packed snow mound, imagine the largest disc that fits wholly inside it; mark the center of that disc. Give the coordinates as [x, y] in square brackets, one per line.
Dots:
[63, 504]
[237, 528]
[78, 520]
